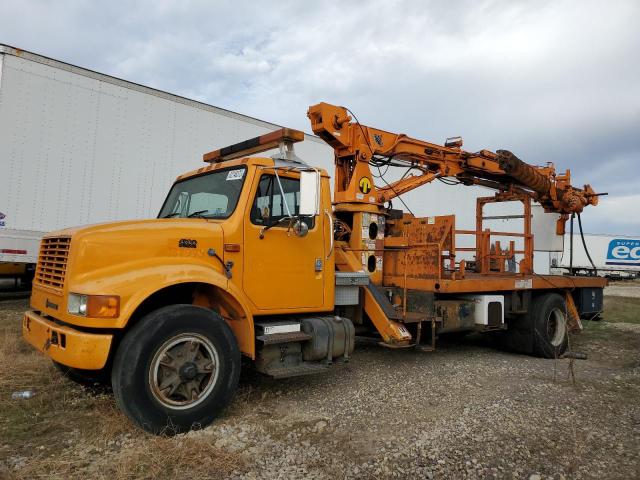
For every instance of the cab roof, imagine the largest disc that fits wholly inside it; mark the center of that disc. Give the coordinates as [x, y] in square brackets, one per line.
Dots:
[248, 161]
[238, 153]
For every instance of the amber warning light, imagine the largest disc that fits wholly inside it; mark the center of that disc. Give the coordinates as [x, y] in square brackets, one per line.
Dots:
[255, 145]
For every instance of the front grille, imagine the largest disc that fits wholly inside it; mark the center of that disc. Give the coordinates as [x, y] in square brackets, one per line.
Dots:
[52, 262]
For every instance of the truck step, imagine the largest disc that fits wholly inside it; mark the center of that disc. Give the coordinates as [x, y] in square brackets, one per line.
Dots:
[296, 371]
[286, 337]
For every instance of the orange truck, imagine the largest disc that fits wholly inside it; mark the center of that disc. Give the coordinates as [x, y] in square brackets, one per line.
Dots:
[253, 257]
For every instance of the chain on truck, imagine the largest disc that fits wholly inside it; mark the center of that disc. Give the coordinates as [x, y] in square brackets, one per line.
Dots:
[252, 257]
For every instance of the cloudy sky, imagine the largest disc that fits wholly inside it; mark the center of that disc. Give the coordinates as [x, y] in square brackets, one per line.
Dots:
[550, 80]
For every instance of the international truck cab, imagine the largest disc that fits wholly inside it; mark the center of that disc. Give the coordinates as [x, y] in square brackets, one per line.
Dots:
[252, 257]
[168, 306]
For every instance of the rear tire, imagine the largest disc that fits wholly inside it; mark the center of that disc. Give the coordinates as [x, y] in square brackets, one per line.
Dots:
[177, 369]
[550, 332]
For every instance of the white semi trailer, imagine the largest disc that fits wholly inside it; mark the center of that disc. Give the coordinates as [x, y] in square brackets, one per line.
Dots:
[615, 256]
[80, 147]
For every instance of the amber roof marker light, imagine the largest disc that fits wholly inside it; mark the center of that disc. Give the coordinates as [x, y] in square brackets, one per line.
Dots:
[268, 141]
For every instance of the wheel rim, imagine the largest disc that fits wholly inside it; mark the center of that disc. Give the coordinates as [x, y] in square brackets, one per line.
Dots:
[184, 370]
[556, 327]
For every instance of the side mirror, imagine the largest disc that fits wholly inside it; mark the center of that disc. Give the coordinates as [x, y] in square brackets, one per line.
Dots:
[300, 228]
[309, 193]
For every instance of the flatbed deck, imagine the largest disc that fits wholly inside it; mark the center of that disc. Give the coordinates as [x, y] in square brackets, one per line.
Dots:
[475, 282]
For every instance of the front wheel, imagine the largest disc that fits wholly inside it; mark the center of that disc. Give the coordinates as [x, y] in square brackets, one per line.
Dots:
[177, 369]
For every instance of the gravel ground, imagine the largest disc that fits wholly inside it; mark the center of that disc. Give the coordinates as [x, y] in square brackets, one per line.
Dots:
[464, 411]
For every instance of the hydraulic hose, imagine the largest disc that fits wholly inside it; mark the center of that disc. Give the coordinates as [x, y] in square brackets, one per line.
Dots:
[584, 244]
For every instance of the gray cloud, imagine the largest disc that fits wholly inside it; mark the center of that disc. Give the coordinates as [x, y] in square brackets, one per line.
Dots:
[552, 81]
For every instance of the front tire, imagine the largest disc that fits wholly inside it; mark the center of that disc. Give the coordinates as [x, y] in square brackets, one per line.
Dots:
[177, 369]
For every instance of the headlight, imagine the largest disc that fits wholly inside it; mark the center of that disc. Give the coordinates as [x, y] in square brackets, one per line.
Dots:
[94, 306]
[77, 304]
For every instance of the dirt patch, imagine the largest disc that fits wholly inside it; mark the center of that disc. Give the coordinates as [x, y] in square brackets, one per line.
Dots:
[464, 411]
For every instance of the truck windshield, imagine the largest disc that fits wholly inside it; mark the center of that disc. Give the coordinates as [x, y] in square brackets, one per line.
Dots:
[214, 195]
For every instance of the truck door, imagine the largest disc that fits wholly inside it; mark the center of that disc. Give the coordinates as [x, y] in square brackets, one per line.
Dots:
[281, 270]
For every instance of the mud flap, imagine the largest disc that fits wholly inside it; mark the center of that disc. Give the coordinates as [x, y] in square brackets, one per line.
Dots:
[573, 321]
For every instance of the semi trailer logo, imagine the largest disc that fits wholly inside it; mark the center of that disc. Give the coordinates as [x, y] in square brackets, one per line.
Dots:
[623, 252]
[2, 217]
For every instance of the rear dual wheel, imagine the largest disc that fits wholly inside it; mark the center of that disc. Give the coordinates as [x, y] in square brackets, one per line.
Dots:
[176, 370]
[550, 332]
[542, 331]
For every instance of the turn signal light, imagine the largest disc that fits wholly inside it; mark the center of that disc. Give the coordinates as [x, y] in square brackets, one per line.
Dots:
[103, 306]
[231, 247]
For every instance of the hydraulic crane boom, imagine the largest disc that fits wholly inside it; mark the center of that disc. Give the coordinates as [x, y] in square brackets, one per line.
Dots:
[358, 148]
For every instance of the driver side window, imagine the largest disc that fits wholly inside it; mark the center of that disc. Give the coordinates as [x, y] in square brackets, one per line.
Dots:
[269, 205]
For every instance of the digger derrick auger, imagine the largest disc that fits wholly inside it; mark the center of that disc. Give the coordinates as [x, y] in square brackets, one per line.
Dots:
[553, 191]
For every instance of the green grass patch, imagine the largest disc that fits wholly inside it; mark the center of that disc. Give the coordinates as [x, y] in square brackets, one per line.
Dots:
[621, 309]
[594, 330]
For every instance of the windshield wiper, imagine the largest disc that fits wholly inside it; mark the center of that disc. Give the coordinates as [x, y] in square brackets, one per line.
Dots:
[197, 214]
[170, 215]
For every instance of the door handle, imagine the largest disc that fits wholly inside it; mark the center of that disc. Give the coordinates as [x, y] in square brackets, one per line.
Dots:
[326, 212]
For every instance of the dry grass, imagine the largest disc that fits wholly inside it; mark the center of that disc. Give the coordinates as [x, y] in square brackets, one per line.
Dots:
[68, 431]
[18, 361]
[621, 309]
[154, 458]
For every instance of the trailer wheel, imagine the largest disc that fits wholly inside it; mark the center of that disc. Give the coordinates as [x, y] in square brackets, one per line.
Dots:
[84, 377]
[176, 369]
[549, 325]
